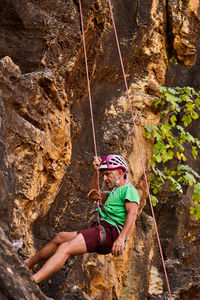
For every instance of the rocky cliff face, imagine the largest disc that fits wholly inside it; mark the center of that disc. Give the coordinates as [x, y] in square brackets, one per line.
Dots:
[46, 142]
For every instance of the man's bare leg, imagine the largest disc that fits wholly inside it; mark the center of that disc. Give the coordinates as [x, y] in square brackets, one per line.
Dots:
[50, 248]
[73, 247]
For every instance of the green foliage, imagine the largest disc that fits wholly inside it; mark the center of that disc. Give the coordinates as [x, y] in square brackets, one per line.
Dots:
[154, 200]
[179, 107]
[173, 60]
[195, 209]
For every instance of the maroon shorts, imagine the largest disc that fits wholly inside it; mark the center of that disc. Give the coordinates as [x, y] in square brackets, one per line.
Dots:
[92, 238]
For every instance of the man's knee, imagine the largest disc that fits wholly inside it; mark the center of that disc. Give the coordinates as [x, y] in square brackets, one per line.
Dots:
[59, 239]
[64, 248]
[74, 246]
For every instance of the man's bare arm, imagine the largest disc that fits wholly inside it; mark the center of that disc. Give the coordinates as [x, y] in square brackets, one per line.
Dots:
[93, 185]
[94, 194]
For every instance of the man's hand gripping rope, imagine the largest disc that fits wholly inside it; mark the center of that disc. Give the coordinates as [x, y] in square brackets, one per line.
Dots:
[94, 193]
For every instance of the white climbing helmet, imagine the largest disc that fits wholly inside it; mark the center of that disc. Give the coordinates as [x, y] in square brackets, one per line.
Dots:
[113, 161]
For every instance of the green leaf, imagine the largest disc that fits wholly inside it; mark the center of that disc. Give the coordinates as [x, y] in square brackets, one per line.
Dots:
[196, 195]
[175, 186]
[168, 155]
[152, 176]
[172, 91]
[189, 137]
[157, 102]
[189, 107]
[188, 89]
[180, 179]
[157, 136]
[198, 143]
[194, 115]
[181, 156]
[154, 200]
[189, 179]
[180, 128]
[197, 189]
[164, 112]
[197, 102]
[185, 98]
[173, 100]
[147, 135]
[184, 168]
[170, 138]
[173, 173]
[186, 120]
[194, 152]
[195, 211]
[162, 89]
[195, 174]
[173, 60]
[150, 128]
[173, 120]
[158, 158]
[181, 148]
[155, 190]
[159, 145]
[165, 130]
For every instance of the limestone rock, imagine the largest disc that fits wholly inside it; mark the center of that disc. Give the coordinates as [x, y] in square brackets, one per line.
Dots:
[183, 19]
[37, 138]
[46, 142]
[15, 279]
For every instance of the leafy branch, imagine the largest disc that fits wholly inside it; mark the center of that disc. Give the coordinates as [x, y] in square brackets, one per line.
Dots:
[179, 107]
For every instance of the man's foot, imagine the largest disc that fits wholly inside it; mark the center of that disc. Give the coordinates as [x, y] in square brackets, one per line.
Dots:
[18, 248]
[21, 254]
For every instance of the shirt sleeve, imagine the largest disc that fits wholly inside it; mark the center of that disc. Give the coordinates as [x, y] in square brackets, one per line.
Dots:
[132, 195]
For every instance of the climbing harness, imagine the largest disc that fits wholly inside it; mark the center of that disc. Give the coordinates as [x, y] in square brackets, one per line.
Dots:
[134, 126]
[118, 226]
[102, 234]
[101, 228]
[102, 231]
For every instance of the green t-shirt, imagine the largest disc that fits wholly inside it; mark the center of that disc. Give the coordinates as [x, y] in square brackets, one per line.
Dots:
[114, 206]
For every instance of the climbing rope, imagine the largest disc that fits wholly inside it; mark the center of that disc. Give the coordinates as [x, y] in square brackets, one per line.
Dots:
[134, 126]
[139, 148]
[89, 95]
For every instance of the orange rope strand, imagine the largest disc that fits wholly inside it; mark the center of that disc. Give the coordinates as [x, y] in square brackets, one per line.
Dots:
[89, 92]
[139, 148]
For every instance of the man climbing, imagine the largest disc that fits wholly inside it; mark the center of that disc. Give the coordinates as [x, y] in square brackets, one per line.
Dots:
[115, 220]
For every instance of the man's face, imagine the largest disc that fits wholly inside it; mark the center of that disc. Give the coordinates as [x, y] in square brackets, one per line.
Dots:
[109, 179]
